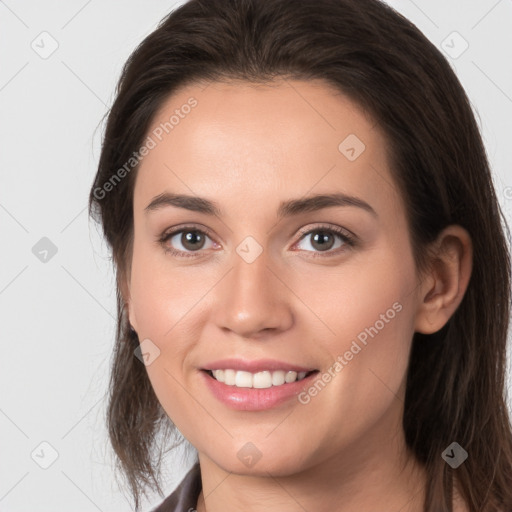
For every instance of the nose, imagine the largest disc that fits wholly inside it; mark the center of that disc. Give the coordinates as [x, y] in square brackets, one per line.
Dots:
[252, 299]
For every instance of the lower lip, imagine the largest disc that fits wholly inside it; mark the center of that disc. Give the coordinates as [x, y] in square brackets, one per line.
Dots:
[252, 399]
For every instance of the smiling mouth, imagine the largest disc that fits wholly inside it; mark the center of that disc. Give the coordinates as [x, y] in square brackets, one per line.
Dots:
[259, 380]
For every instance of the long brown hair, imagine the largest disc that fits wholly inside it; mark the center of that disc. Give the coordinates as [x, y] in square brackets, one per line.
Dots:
[382, 62]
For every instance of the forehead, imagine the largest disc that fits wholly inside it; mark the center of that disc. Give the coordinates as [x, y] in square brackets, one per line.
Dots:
[240, 142]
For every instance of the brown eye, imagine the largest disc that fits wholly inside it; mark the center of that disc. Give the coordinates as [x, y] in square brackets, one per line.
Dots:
[192, 240]
[326, 239]
[185, 241]
[323, 240]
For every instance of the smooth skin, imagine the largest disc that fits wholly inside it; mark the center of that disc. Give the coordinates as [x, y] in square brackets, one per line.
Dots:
[247, 148]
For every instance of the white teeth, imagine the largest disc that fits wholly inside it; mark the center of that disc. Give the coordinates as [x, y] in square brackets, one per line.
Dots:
[290, 377]
[229, 377]
[259, 380]
[262, 380]
[277, 378]
[219, 375]
[243, 380]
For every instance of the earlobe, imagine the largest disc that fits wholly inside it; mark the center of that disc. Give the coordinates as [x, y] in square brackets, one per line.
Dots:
[131, 316]
[128, 303]
[443, 289]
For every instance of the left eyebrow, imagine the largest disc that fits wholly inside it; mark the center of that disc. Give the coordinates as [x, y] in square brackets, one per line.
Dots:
[320, 201]
[286, 208]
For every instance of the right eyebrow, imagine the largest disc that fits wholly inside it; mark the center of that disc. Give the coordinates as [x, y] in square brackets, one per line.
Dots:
[193, 203]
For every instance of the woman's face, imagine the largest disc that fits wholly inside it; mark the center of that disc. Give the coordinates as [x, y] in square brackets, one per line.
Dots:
[267, 282]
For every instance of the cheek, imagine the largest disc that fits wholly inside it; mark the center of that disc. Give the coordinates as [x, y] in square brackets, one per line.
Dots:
[163, 302]
[370, 314]
[161, 296]
[365, 297]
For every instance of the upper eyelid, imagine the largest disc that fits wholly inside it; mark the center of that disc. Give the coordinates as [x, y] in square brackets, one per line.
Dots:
[339, 230]
[344, 234]
[209, 232]
[174, 231]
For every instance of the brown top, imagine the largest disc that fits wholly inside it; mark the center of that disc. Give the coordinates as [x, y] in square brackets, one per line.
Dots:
[184, 497]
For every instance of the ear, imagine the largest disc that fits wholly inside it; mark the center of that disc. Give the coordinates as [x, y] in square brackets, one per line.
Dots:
[445, 284]
[124, 287]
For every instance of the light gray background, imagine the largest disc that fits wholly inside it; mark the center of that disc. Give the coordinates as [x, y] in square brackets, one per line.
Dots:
[58, 316]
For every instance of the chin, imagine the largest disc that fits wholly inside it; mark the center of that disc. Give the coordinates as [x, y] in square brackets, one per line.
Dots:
[280, 466]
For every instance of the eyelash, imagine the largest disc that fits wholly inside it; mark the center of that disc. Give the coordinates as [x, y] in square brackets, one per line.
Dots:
[348, 239]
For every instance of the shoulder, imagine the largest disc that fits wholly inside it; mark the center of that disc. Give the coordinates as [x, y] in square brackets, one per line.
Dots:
[184, 497]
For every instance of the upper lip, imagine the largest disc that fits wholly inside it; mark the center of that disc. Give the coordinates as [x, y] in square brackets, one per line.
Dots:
[257, 365]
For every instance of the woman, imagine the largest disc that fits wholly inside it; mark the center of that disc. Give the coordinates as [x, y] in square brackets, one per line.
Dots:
[337, 337]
